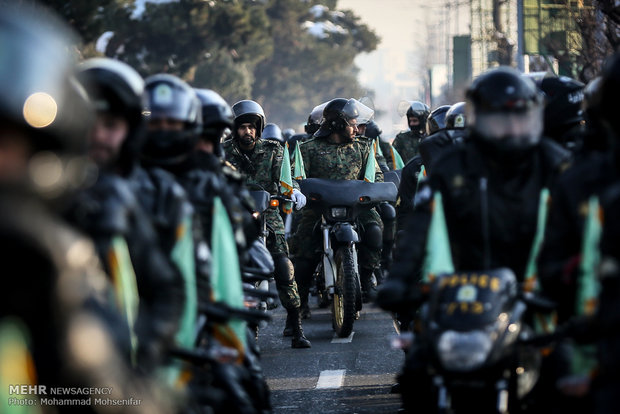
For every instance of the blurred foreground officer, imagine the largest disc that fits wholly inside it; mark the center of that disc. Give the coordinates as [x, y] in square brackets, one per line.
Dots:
[110, 213]
[491, 187]
[56, 326]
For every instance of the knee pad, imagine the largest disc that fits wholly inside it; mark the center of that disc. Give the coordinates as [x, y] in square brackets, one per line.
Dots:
[387, 212]
[373, 236]
[283, 267]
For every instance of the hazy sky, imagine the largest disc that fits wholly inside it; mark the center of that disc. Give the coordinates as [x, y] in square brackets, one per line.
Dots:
[391, 69]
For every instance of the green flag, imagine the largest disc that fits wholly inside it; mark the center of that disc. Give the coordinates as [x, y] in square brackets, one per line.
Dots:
[226, 278]
[584, 360]
[183, 254]
[421, 175]
[286, 182]
[16, 367]
[369, 172]
[397, 161]
[588, 286]
[543, 322]
[531, 271]
[438, 258]
[125, 288]
[300, 172]
[378, 148]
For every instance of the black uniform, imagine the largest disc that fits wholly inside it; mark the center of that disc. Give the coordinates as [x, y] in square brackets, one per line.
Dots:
[471, 184]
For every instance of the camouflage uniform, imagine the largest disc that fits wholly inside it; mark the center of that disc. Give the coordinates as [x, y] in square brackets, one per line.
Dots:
[261, 167]
[324, 158]
[406, 143]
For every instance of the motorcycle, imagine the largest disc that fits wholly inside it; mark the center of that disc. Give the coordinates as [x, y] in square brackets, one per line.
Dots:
[474, 328]
[339, 203]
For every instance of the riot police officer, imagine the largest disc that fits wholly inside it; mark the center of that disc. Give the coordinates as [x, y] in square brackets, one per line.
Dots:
[406, 143]
[260, 161]
[334, 152]
[490, 185]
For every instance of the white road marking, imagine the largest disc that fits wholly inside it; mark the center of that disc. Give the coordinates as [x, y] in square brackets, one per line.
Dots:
[330, 379]
[346, 340]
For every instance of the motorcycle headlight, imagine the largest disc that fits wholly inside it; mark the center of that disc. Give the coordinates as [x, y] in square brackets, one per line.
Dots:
[463, 351]
[339, 212]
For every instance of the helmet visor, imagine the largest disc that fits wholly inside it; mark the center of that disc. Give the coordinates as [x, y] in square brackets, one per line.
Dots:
[365, 114]
[522, 128]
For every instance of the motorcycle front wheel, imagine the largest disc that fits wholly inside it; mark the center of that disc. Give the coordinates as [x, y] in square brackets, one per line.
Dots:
[345, 293]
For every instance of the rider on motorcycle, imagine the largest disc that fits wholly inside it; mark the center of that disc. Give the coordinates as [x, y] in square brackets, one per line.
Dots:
[490, 186]
[334, 152]
[260, 162]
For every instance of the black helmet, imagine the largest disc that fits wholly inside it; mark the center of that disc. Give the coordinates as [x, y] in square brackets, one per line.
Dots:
[39, 93]
[419, 110]
[563, 111]
[215, 110]
[169, 97]
[436, 120]
[505, 110]
[455, 117]
[217, 117]
[247, 111]
[287, 133]
[273, 132]
[37, 88]
[315, 118]
[115, 87]
[373, 130]
[338, 112]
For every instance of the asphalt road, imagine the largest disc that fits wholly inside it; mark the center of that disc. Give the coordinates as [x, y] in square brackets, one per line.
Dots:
[336, 375]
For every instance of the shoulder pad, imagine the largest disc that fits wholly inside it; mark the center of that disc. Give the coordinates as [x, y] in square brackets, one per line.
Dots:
[306, 141]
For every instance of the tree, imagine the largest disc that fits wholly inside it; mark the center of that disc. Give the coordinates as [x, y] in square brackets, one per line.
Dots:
[288, 55]
[312, 60]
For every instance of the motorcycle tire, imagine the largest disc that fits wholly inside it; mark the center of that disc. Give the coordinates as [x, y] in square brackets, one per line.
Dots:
[344, 303]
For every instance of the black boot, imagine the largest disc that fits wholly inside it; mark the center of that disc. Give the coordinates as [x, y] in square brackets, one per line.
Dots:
[288, 327]
[369, 290]
[299, 340]
[304, 270]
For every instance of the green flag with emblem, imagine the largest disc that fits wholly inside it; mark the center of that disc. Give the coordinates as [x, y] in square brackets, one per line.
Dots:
[286, 181]
[226, 279]
[438, 257]
[299, 173]
[370, 171]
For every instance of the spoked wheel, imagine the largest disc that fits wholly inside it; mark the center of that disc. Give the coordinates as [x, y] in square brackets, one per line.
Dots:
[345, 293]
